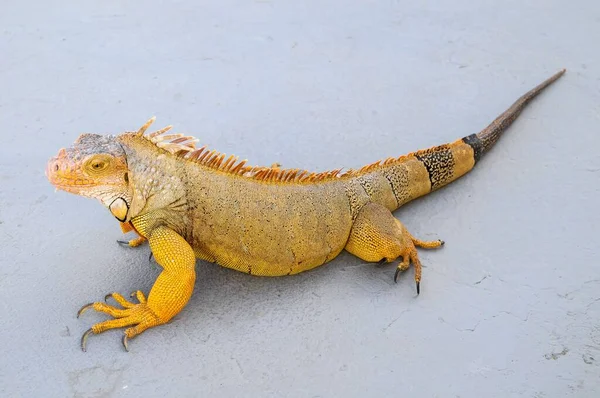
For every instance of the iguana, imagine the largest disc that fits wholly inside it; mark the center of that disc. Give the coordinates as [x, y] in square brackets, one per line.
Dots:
[192, 203]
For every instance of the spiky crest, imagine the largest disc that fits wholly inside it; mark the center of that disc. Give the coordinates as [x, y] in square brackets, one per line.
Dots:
[184, 146]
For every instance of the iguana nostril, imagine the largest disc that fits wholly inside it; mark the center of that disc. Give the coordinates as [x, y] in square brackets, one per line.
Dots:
[56, 167]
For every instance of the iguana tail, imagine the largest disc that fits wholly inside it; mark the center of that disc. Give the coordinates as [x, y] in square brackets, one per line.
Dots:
[424, 171]
[483, 141]
[467, 151]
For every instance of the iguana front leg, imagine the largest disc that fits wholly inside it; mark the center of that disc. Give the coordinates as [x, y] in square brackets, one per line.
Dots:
[377, 236]
[170, 293]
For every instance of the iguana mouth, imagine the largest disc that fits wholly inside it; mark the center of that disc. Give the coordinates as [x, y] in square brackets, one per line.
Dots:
[72, 184]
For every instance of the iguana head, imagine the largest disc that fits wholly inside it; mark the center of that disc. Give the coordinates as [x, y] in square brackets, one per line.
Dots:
[96, 167]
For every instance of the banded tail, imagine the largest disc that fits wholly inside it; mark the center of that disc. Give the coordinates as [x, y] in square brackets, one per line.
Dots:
[424, 171]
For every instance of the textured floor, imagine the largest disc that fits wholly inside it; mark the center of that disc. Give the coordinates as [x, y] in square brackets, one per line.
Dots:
[510, 307]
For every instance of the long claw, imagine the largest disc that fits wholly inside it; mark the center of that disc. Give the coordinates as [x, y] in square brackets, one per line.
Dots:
[125, 343]
[107, 297]
[396, 275]
[122, 242]
[84, 309]
[442, 243]
[418, 288]
[84, 339]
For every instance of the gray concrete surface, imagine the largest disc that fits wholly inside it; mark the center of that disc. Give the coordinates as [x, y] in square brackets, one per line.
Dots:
[510, 306]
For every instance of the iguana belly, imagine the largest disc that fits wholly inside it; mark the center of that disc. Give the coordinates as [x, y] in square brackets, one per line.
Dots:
[253, 265]
[263, 253]
[271, 230]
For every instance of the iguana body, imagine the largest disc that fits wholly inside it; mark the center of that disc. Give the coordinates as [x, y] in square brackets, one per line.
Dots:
[193, 203]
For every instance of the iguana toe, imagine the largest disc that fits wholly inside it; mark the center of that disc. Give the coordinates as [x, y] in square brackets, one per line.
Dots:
[122, 300]
[139, 295]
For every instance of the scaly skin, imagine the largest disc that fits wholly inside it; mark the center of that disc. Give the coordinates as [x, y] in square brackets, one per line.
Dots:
[193, 203]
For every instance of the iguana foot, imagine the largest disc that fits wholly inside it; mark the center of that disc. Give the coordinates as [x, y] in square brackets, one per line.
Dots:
[140, 315]
[377, 236]
[412, 256]
[169, 294]
[135, 242]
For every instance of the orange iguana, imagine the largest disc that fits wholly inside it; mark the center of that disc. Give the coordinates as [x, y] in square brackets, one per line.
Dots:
[195, 203]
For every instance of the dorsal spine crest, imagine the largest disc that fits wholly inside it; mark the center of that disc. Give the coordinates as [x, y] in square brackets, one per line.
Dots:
[184, 147]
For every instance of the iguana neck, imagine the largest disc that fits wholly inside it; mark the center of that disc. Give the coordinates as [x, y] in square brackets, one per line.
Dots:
[157, 180]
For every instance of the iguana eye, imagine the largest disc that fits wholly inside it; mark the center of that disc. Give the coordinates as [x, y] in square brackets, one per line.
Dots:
[98, 165]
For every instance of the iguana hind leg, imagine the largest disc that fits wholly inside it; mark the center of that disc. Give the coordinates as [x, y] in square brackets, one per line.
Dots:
[377, 235]
[170, 293]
